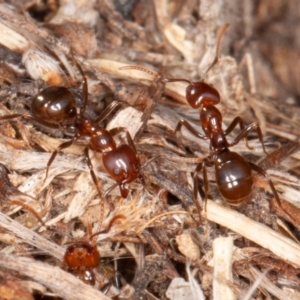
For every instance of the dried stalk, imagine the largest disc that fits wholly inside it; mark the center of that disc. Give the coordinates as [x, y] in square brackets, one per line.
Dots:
[60, 282]
[31, 237]
[222, 249]
[267, 238]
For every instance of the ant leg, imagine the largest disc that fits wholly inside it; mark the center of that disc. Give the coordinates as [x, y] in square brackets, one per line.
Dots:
[196, 200]
[59, 148]
[244, 133]
[198, 169]
[105, 288]
[37, 216]
[117, 130]
[205, 184]
[130, 141]
[96, 182]
[117, 273]
[30, 209]
[110, 189]
[111, 222]
[232, 125]
[84, 88]
[266, 175]
[108, 110]
[190, 128]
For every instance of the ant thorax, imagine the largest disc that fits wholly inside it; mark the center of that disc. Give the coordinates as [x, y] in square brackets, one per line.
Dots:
[83, 126]
[102, 141]
[218, 145]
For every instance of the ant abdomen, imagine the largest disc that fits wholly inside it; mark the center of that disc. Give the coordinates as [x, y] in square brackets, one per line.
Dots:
[85, 275]
[233, 177]
[54, 104]
[201, 94]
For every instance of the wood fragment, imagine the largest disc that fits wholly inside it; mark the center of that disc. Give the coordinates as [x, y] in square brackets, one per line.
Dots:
[285, 248]
[222, 249]
[68, 286]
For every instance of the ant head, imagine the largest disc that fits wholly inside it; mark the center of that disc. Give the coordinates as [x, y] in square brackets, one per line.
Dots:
[200, 94]
[82, 254]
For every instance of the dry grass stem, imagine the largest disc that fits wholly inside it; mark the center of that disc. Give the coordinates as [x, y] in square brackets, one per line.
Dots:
[222, 250]
[267, 238]
[68, 286]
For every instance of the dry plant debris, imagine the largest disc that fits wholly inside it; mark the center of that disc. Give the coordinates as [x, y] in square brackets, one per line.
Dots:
[155, 247]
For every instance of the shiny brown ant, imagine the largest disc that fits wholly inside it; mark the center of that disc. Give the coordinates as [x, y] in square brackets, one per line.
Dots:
[81, 257]
[232, 172]
[55, 107]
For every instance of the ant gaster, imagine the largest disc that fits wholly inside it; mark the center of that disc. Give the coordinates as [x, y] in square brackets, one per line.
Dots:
[55, 107]
[232, 172]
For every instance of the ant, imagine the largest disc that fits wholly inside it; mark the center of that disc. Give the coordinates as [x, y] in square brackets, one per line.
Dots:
[82, 256]
[232, 172]
[55, 107]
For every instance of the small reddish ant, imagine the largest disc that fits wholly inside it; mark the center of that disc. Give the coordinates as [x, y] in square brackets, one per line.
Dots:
[82, 256]
[55, 107]
[233, 173]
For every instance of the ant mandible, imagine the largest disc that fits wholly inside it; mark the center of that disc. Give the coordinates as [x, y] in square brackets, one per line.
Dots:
[232, 172]
[55, 107]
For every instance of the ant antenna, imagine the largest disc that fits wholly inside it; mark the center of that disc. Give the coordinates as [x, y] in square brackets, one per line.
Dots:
[38, 217]
[156, 75]
[30, 209]
[111, 222]
[139, 68]
[84, 86]
[216, 59]
[164, 79]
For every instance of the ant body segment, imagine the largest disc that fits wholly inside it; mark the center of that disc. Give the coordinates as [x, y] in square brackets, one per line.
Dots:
[55, 107]
[232, 172]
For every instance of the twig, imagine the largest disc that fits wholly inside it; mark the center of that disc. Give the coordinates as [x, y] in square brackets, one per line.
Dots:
[60, 282]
